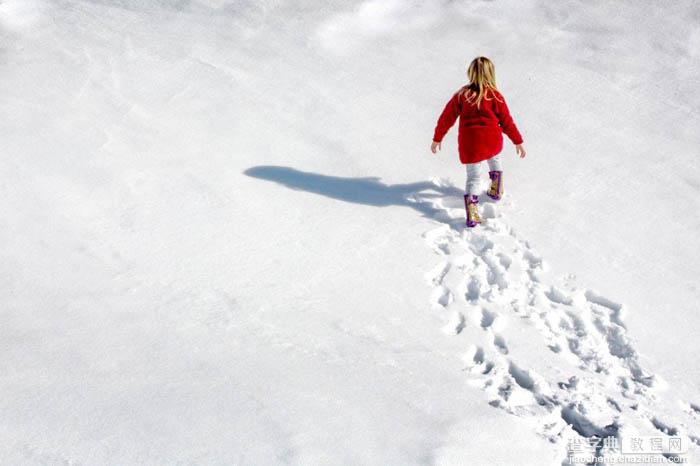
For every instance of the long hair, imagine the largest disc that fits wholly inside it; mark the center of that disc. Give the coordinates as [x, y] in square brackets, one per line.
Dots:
[482, 78]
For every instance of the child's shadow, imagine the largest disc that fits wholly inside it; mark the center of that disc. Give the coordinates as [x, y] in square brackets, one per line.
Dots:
[367, 191]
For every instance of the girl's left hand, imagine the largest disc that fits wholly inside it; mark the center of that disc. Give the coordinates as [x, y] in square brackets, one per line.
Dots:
[520, 150]
[435, 146]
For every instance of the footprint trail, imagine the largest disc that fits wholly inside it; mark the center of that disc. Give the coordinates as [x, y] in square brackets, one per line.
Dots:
[542, 347]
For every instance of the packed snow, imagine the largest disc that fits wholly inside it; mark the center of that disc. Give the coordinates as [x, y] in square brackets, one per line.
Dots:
[225, 240]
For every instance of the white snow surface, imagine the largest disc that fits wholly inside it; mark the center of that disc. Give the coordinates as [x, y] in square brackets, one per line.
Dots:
[225, 241]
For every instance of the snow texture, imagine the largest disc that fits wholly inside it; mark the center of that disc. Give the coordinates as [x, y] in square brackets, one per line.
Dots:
[225, 241]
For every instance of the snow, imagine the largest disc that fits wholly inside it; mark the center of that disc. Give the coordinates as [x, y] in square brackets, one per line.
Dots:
[225, 240]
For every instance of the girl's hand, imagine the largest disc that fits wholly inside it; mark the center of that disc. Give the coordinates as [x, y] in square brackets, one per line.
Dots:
[520, 150]
[435, 146]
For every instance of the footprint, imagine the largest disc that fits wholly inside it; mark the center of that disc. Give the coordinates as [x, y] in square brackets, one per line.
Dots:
[500, 343]
[509, 396]
[456, 324]
[617, 310]
[496, 273]
[437, 275]
[694, 407]
[480, 243]
[558, 296]
[663, 427]
[476, 354]
[615, 405]
[619, 346]
[487, 318]
[505, 260]
[533, 260]
[442, 296]
[473, 289]
[595, 298]
[439, 239]
[475, 361]
[584, 426]
[521, 376]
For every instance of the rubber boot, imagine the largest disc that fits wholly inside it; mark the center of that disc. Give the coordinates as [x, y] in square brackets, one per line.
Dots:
[470, 204]
[495, 192]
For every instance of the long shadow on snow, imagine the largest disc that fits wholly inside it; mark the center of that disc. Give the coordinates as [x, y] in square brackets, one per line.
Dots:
[366, 191]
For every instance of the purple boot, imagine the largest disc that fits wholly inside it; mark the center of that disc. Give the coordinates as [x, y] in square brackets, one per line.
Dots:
[470, 203]
[495, 192]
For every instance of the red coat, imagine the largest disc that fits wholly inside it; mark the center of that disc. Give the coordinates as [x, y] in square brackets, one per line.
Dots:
[480, 130]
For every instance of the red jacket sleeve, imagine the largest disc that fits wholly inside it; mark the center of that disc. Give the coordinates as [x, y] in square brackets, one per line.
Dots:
[506, 121]
[447, 118]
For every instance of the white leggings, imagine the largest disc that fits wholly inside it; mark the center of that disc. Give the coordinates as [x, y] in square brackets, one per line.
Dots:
[474, 173]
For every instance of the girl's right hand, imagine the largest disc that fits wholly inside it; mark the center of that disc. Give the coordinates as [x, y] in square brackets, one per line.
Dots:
[435, 146]
[520, 150]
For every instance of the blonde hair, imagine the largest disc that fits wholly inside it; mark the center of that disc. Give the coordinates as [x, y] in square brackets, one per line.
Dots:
[482, 77]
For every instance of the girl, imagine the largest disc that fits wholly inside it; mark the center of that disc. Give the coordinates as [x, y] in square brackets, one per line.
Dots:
[484, 116]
